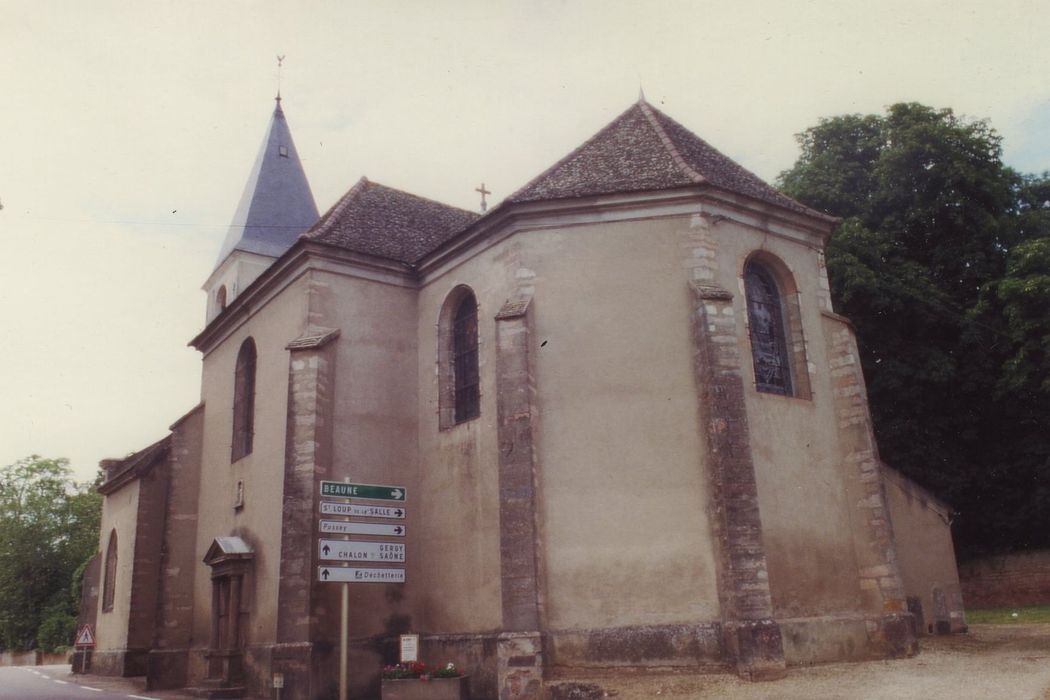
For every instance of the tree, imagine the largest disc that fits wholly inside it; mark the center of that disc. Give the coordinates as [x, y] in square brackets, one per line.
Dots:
[942, 261]
[48, 528]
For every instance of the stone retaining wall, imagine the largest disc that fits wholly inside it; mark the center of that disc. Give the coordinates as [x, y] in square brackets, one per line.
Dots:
[32, 658]
[1008, 580]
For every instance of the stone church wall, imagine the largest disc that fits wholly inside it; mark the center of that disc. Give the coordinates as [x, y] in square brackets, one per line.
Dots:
[374, 406]
[119, 513]
[796, 447]
[458, 471]
[167, 663]
[258, 522]
[624, 500]
[926, 555]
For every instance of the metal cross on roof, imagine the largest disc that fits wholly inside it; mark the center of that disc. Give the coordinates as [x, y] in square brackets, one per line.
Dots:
[483, 191]
[280, 60]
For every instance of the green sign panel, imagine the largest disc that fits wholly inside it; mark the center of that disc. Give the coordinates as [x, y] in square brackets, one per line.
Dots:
[342, 489]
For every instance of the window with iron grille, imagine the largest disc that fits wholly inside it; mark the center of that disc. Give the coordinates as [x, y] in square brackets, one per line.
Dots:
[765, 316]
[109, 584]
[465, 360]
[244, 401]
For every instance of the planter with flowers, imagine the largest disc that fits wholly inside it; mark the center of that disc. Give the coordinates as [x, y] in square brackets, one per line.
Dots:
[417, 681]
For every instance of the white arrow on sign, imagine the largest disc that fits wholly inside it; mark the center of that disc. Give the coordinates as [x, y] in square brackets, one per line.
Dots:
[350, 574]
[343, 527]
[341, 550]
[361, 511]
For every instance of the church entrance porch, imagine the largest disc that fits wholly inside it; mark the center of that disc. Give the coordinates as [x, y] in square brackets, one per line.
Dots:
[230, 559]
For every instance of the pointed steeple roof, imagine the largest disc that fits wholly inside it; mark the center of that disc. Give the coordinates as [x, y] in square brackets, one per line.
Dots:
[644, 149]
[277, 204]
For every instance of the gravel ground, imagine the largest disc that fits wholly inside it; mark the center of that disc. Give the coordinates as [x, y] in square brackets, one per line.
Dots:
[1000, 662]
[1004, 662]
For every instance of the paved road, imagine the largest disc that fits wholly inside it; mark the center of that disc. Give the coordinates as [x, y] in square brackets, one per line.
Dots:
[49, 683]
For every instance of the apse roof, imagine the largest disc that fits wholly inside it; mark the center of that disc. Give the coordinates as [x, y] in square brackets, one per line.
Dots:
[277, 204]
[644, 149]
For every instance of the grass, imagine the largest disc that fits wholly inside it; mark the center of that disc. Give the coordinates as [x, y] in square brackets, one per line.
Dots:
[1008, 616]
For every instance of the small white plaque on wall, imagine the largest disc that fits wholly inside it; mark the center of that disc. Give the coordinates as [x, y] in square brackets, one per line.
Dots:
[409, 648]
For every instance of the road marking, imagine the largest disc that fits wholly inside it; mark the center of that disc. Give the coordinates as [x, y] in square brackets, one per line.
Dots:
[88, 687]
[62, 682]
[142, 697]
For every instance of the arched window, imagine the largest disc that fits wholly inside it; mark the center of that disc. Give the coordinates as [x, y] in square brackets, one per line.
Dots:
[244, 401]
[220, 297]
[465, 359]
[459, 390]
[109, 583]
[769, 340]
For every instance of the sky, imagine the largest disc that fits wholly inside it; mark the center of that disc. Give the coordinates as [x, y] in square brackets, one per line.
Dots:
[128, 131]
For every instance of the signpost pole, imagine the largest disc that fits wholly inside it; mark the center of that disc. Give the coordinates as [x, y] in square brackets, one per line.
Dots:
[344, 640]
[354, 550]
[344, 633]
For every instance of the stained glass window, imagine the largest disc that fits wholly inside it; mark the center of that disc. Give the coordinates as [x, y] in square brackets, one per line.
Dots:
[765, 315]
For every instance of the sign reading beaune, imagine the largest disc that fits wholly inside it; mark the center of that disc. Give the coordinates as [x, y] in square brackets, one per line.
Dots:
[360, 510]
[353, 574]
[380, 492]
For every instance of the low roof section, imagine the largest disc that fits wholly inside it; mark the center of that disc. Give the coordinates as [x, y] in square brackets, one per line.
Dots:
[119, 472]
[382, 221]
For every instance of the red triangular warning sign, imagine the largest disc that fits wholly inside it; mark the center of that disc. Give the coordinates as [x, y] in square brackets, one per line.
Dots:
[84, 637]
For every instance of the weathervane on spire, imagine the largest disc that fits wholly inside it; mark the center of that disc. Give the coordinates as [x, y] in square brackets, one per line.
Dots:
[483, 191]
[280, 60]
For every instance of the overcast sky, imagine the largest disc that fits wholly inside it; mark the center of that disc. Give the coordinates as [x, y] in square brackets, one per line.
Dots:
[128, 130]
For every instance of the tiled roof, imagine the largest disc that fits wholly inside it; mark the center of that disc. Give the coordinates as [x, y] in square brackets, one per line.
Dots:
[641, 150]
[389, 223]
[644, 149]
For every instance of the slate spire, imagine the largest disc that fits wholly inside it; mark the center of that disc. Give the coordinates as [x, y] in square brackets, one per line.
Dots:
[277, 204]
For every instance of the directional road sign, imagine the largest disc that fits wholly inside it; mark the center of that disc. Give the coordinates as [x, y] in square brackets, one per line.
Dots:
[361, 510]
[352, 574]
[341, 489]
[342, 527]
[341, 550]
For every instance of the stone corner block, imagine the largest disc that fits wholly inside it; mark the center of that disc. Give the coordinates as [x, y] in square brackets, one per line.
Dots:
[758, 649]
[710, 291]
[519, 658]
[313, 338]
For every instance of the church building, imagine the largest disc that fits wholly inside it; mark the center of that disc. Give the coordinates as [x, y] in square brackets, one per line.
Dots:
[612, 422]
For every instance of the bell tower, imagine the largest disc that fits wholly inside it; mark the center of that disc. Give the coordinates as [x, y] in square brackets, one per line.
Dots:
[276, 207]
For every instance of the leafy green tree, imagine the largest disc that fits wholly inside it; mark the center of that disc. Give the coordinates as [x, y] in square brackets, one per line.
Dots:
[48, 528]
[941, 262]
